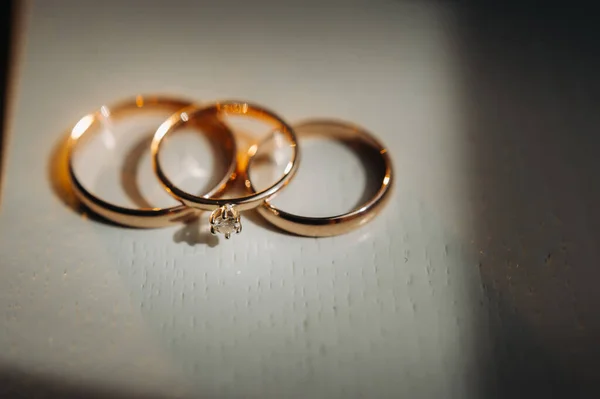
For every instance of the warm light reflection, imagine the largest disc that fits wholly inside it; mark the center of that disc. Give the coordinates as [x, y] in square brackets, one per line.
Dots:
[108, 138]
[81, 126]
[364, 220]
[252, 150]
[281, 156]
[234, 108]
[162, 130]
[386, 180]
[288, 168]
[105, 111]
[139, 101]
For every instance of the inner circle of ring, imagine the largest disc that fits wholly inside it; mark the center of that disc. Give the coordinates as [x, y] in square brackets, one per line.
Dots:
[135, 217]
[207, 203]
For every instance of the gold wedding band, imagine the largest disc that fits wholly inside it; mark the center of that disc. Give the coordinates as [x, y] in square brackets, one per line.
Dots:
[354, 136]
[145, 217]
[225, 216]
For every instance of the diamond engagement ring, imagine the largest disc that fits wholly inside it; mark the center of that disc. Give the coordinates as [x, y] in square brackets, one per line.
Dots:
[225, 218]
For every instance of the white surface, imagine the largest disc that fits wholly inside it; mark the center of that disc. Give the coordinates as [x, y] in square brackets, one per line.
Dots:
[406, 307]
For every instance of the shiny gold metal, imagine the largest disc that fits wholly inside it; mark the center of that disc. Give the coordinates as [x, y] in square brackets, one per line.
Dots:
[355, 137]
[146, 217]
[227, 207]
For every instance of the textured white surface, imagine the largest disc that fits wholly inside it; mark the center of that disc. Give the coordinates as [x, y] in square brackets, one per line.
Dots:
[416, 304]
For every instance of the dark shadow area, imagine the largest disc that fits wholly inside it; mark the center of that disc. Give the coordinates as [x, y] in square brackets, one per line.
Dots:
[16, 383]
[8, 18]
[531, 81]
[193, 233]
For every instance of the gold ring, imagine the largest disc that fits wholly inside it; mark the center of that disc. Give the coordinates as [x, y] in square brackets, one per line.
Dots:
[329, 226]
[225, 216]
[144, 217]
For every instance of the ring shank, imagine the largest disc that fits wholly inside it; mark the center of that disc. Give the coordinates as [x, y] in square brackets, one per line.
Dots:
[355, 137]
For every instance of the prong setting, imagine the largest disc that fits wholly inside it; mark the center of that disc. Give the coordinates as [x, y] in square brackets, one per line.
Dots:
[225, 220]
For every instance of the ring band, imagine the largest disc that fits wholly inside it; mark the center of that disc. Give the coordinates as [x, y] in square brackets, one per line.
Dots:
[142, 217]
[330, 226]
[225, 217]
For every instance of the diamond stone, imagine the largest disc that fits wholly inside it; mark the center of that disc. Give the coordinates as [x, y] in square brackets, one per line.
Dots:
[225, 220]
